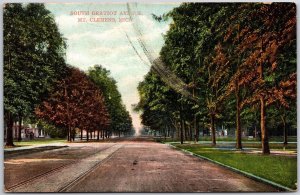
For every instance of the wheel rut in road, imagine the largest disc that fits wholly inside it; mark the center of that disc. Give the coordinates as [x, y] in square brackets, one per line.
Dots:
[155, 167]
[60, 179]
[27, 167]
[125, 166]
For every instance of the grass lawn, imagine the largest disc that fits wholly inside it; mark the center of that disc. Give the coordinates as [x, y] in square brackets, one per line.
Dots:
[271, 139]
[279, 169]
[38, 142]
[257, 145]
[291, 146]
[232, 139]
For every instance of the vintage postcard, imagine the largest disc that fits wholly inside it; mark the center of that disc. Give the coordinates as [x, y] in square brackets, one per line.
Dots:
[149, 97]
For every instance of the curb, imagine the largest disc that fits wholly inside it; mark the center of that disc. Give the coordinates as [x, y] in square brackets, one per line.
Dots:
[249, 175]
[30, 150]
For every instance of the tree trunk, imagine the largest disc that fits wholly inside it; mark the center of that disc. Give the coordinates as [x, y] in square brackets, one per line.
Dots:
[98, 135]
[87, 135]
[9, 134]
[119, 133]
[203, 130]
[73, 134]
[185, 130]
[285, 140]
[264, 133]
[20, 129]
[178, 129]
[190, 132]
[181, 132]
[69, 133]
[68, 115]
[15, 130]
[213, 130]
[195, 129]
[238, 132]
[181, 128]
[81, 132]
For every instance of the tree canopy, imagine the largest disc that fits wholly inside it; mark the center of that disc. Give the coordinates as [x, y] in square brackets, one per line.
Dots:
[234, 58]
[121, 121]
[76, 102]
[38, 83]
[33, 59]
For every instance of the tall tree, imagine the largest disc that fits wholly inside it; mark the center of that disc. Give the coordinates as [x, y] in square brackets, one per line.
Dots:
[120, 118]
[191, 49]
[268, 33]
[75, 102]
[158, 104]
[33, 59]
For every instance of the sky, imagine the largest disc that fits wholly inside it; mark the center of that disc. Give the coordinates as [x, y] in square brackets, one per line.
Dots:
[95, 35]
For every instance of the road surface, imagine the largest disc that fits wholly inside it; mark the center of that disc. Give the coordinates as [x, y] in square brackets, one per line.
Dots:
[133, 165]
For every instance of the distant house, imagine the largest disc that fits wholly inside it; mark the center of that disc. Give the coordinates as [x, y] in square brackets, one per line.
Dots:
[28, 131]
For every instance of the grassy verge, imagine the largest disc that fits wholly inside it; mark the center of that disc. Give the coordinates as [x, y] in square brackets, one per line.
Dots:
[231, 145]
[271, 139]
[38, 142]
[279, 146]
[279, 169]
[232, 139]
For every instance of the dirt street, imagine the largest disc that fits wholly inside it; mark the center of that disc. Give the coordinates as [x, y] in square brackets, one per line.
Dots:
[126, 166]
[23, 168]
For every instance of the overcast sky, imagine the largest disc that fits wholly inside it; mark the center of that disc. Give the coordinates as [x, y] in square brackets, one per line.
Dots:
[105, 43]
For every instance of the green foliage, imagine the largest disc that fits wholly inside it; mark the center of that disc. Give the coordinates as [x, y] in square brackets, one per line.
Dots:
[120, 118]
[51, 130]
[33, 58]
[34, 69]
[158, 103]
[215, 48]
[75, 102]
[252, 163]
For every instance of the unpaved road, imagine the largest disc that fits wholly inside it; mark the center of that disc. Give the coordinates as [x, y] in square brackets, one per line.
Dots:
[124, 166]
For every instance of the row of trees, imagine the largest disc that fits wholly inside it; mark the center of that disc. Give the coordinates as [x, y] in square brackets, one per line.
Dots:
[39, 85]
[33, 60]
[237, 60]
[76, 102]
[120, 119]
[89, 102]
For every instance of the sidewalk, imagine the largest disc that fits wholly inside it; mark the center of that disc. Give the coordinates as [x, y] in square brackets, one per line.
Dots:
[275, 152]
[246, 142]
[33, 148]
[58, 182]
[230, 146]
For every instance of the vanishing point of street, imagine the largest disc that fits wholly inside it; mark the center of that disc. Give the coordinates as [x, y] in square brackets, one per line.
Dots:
[126, 165]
